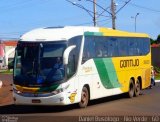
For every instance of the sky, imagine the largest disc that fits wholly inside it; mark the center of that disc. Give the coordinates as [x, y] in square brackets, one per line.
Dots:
[20, 16]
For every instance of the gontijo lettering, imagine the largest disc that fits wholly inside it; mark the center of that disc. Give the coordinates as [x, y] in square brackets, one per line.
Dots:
[129, 63]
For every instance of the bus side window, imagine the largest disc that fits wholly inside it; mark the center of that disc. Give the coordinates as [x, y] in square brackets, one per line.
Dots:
[105, 47]
[99, 52]
[122, 46]
[112, 47]
[89, 48]
[86, 55]
[146, 47]
[74, 56]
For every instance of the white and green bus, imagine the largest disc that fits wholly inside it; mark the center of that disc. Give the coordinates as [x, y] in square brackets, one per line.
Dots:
[66, 65]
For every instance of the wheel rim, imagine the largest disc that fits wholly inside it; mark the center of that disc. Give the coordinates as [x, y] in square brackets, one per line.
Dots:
[137, 89]
[131, 91]
[84, 98]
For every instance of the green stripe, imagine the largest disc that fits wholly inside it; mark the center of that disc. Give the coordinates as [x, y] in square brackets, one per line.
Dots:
[107, 72]
[48, 89]
[93, 34]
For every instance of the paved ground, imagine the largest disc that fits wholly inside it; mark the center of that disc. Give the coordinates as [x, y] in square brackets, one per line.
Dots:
[5, 93]
[147, 104]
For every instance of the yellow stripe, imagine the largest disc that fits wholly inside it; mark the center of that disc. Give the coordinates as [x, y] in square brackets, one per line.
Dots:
[111, 32]
[26, 89]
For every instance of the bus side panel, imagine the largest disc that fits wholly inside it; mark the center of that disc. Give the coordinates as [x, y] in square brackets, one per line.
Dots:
[111, 76]
[132, 67]
[101, 77]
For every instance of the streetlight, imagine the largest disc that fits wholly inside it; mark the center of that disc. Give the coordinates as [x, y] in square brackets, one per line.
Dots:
[135, 24]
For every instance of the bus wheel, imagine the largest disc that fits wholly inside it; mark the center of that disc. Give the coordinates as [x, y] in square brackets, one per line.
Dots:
[137, 88]
[84, 98]
[131, 89]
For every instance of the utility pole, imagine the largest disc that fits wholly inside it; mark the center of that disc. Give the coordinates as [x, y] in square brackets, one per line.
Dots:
[94, 9]
[113, 8]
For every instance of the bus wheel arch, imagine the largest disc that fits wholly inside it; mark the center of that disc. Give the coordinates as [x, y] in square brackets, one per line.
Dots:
[85, 96]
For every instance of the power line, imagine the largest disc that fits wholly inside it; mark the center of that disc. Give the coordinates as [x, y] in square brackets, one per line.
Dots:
[101, 14]
[150, 9]
[82, 7]
[87, 23]
[143, 7]
[123, 6]
[100, 7]
[104, 23]
[93, 13]
[88, 11]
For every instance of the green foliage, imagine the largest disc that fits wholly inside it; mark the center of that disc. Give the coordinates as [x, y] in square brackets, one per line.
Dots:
[6, 72]
[157, 69]
[152, 41]
[158, 39]
[157, 77]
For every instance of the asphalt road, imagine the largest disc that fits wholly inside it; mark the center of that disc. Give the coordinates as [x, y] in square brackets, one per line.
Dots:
[147, 104]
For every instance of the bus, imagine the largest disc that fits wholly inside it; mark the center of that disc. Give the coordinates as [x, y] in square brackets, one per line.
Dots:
[76, 64]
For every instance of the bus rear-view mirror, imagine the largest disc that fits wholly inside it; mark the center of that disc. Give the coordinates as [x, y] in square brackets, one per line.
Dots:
[66, 54]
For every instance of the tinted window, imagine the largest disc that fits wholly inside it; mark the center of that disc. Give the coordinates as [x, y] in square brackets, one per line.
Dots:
[112, 47]
[89, 48]
[146, 46]
[133, 46]
[123, 46]
[101, 46]
[74, 55]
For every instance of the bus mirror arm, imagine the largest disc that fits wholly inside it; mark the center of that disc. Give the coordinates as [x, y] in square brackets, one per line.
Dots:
[66, 54]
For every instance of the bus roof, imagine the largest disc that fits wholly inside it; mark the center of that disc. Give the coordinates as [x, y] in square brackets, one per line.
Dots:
[67, 32]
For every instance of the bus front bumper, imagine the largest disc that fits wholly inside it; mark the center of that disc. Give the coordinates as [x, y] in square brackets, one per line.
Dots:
[58, 99]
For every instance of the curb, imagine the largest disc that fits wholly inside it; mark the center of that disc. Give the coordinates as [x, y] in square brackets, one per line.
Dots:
[157, 81]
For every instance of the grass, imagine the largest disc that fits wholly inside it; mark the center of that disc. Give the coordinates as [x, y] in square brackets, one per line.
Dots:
[6, 72]
[157, 77]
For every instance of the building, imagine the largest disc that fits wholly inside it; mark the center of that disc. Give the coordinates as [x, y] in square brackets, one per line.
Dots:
[7, 50]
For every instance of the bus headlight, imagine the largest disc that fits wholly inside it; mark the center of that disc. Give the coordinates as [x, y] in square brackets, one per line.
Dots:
[57, 91]
[16, 91]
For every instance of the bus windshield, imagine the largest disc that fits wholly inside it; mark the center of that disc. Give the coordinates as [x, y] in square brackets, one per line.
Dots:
[39, 64]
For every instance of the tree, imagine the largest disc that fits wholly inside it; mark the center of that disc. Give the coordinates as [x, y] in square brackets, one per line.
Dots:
[152, 41]
[158, 39]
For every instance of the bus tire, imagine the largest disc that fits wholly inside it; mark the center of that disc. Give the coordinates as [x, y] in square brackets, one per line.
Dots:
[131, 89]
[137, 88]
[84, 98]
